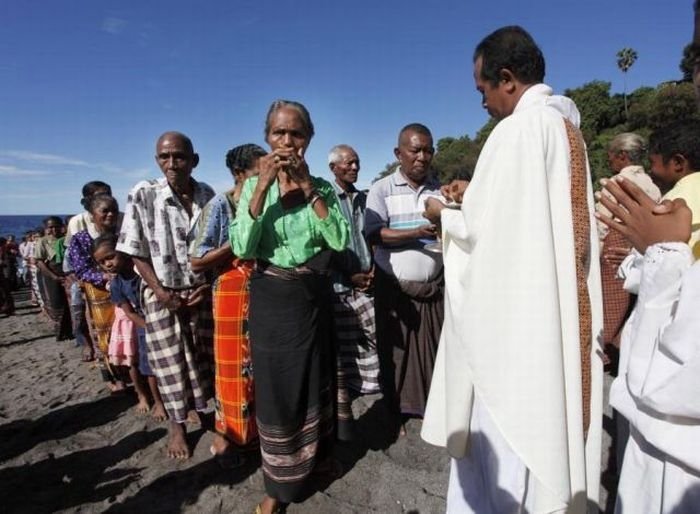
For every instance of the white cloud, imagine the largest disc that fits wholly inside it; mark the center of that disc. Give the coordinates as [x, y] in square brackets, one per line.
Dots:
[113, 25]
[13, 171]
[44, 158]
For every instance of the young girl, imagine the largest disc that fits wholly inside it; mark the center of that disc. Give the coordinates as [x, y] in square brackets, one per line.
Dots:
[127, 345]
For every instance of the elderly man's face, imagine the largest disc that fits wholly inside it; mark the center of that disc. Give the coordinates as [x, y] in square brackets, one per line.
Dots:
[415, 153]
[176, 160]
[347, 167]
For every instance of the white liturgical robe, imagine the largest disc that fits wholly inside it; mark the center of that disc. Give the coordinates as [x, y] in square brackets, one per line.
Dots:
[658, 386]
[510, 339]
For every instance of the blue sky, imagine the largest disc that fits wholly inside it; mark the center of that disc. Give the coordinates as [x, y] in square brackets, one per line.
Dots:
[86, 86]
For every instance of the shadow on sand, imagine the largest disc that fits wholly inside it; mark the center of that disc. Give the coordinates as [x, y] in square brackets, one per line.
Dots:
[74, 479]
[17, 437]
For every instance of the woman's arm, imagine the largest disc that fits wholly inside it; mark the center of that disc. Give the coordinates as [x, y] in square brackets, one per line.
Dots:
[212, 258]
[81, 261]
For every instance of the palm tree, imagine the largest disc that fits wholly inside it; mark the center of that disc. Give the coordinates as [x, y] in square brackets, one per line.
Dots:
[625, 59]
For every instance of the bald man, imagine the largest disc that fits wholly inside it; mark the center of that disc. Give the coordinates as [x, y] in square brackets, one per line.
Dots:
[175, 300]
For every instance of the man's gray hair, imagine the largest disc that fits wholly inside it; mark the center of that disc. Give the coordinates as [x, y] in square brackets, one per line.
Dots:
[334, 155]
[633, 144]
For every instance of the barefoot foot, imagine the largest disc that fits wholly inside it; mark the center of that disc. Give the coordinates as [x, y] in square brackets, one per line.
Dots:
[116, 387]
[219, 445]
[143, 406]
[158, 412]
[177, 445]
[193, 417]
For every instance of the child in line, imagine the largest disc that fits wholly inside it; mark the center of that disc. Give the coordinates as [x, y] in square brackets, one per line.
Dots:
[127, 345]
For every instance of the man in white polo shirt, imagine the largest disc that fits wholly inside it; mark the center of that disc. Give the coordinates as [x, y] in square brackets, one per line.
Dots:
[409, 281]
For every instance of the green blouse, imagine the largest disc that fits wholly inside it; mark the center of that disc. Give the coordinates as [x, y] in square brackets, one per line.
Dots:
[286, 238]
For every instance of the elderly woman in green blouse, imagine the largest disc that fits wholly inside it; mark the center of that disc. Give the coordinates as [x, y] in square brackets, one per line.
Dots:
[290, 222]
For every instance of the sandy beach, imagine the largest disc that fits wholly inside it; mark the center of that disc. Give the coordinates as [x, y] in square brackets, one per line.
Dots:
[67, 446]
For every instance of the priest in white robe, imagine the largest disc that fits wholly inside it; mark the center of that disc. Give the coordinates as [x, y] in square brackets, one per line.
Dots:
[658, 385]
[516, 396]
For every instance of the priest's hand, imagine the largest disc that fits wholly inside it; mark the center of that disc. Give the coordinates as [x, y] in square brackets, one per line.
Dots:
[454, 191]
[641, 220]
[433, 209]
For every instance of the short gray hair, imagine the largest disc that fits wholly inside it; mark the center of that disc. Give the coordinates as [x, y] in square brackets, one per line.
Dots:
[634, 145]
[304, 115]
[334, 155]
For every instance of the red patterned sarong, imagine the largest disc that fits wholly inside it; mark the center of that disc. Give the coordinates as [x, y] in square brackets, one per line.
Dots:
[234, 390]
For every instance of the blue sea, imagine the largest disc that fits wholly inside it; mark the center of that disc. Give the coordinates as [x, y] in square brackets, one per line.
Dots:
[19, 224]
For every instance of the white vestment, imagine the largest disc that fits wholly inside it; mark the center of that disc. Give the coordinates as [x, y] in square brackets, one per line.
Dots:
[511, 330]
[658, 386]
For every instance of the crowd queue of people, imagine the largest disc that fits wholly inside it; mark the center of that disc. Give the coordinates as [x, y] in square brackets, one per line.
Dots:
[487, 308]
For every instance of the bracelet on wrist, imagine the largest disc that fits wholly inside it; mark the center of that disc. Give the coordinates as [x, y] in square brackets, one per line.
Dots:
[315, 199]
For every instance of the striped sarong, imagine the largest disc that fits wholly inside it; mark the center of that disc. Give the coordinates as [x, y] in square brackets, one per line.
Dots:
[357, 340]
[234, 391]
[179, 353]
[291, 333]
[34, 274]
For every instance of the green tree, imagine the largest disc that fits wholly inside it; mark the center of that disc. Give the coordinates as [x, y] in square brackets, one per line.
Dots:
[455, 157]
[595, 105]
[672, 102]
[687, 63]
[388, 170]
[625, 59]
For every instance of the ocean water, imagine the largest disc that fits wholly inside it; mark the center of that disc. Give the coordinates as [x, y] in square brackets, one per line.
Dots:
[19, 224]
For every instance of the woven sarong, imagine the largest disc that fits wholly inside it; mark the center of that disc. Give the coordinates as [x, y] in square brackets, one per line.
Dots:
[355, 330]
[292, 338]
[101, 317]
[234, 391]
[56, 306]
[179, 353]
[617, 303]
[409, 321]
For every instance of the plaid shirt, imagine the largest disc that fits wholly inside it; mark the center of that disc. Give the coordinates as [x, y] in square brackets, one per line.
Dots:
[156, 226]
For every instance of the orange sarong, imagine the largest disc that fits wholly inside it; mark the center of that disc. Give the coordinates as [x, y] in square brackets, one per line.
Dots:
[234, 391]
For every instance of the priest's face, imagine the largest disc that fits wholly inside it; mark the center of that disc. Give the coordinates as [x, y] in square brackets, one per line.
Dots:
[495, 99]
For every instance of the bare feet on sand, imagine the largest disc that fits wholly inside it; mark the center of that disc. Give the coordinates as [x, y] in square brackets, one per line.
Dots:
[177, 444]
[219, 445]
[270, 506]
[158, 412]
[143, 406]
[193, 417]
[116, 387]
